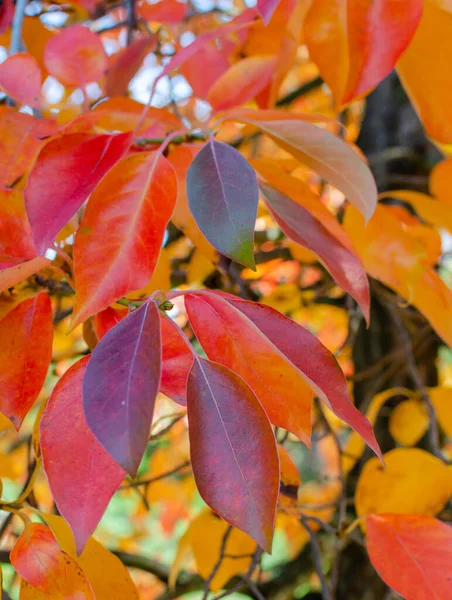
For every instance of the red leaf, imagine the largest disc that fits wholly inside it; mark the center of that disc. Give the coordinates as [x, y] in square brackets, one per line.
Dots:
[16, 243]
[266, 8]
[164, 11]
[177, 360]
[214, 62]
[39, 560]
[20, 78]
[412, 554]
[125, 65]
[81, 475]
[6, 14]
[107, 319]
[316, 362]
[232, 340]
[325, 153]
[76, 56]
[74, 164]
[26, 335]
[123, 227]
[310, 224]
[233, 450]
[121, 383]
[223, 196]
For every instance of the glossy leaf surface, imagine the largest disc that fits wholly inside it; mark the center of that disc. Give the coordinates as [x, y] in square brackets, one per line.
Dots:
[223, 195]
[239, 480]
[121, 383]
[81, 475]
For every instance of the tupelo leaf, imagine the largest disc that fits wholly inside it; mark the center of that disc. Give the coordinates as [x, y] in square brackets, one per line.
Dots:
[121, 384]
[81, 475]
[223, 196]
[233, 450]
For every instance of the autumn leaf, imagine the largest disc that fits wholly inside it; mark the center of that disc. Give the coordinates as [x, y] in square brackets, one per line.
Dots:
[222, 412]
[20, 78]
[127, 362]
[223, 195]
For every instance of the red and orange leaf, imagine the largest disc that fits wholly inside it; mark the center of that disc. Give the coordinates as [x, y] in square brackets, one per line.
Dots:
[13, 275]
[121, 384]
[229, 338]
[233, 450]
[266, 8]
[124, 225]
[214, 61]
[126, 64]
[26, 335]
[76, 56]
[223, 196]
[107, 319]
[81, 475]
[39, 560]
[412, 554]
[305, 220]
[241, 82]
[328, 155]
[164, 11]
[74, 164]
[356, 44]
[315, 362]
[177, 361]
[20, 78]
[16, 244]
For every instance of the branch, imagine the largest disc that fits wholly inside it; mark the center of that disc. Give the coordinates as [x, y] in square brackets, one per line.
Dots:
[131, 20]
[300, 91]
[16, 32]
[317, 556]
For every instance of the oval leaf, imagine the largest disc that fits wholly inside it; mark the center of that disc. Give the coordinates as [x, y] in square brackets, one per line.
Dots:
[26, 336]
[76, 56]
[232, 340]
[20, 78]
[326, 154]
[121, 384]
[233, 450]
[223, 196]
[74, 164]
[81, 475]
[316, 362]
[412, 554]
[123, 227]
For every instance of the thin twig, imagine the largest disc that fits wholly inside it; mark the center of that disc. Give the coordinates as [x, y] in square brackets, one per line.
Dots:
[16, 32]
[317, 556]
[151, 480]
[131, 20]
[217, 565]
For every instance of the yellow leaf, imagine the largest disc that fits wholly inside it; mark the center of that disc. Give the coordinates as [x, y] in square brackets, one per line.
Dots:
[161, 277]
[408, 422]
[355, 445]
[441, 398]
[108, 577]
[425, 67]
[199, 267]
[413, 482]
[440, 181]
[286, 298]
[204, 537]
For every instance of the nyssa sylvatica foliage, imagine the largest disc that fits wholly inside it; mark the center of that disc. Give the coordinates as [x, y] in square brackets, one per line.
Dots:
[208, 289]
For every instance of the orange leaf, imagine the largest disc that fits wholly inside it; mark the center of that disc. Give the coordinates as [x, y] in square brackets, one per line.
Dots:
[20, 78]
[125, 65]
[412, 554]
[164, 11]
[16, 243]
[123, 225]
[14, 275]
[26, 335]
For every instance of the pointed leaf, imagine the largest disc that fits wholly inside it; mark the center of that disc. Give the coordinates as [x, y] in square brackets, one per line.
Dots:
[16, 242]
[356, 44]
[412, 554]
[309, 223]
[232, 340]
[326, 154]
[121, 384]
[177, 361]
[39, 560]
[81, 475]
[26, 335]
[223, 196]
[76, 56]
[123, 227]
[74, 164]
[20, 78]
[233, 450]
[316, 362]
